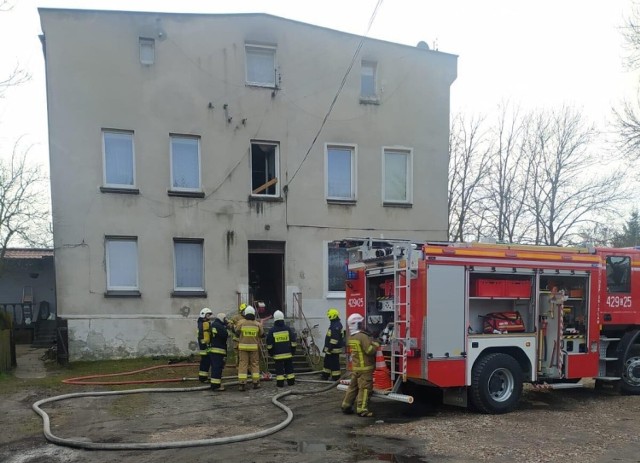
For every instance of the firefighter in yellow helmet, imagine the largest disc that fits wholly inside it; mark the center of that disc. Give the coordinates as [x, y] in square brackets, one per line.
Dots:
[204, 339]
[232, 328]
[249, 332]
[362, 349]
[333, 344]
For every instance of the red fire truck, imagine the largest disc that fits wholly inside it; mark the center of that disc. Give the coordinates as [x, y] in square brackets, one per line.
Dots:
[479, 320]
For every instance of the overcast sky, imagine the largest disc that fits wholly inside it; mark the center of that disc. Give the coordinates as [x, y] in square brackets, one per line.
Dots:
[537, 53]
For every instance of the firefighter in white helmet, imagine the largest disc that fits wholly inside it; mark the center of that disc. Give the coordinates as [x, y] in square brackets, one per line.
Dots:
[249, 332]
[362, 349]
[281, 345]
[204, 339]
[333, 344]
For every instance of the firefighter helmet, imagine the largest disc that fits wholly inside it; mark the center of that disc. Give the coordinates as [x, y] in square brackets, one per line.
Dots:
[333, 314]
[354, 322]
[222, 317]
[249, 310]
[241, 307]
[278, 315]
[204, 312]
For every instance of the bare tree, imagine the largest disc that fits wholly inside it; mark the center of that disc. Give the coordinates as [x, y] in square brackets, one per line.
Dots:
[16, 77]
[626, 119]
[509, 176]
[566, 191]
[468, 168]
[24, 216]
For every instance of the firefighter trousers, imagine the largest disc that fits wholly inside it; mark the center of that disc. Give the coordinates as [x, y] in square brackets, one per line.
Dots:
[217, 365]
[331, 367]
[360, 389]
[248, 360]
[284, 370]
[205, 366]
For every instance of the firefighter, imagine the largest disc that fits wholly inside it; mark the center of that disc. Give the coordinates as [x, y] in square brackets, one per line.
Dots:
[333, 344]
[249, 332]
[232, 327]
[362, 349]
[218, 350]
[204, 338]
[281, 345]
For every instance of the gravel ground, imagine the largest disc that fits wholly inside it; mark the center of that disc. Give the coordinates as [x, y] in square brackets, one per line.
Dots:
[584, 425]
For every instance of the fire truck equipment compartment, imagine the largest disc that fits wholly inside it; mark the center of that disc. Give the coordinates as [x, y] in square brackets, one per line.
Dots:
[505, 322]
[518, 288]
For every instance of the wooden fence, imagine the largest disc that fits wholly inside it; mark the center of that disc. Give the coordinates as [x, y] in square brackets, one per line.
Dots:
[5, 351]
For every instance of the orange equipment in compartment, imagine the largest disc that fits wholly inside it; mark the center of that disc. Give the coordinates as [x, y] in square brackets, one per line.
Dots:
[381, 375]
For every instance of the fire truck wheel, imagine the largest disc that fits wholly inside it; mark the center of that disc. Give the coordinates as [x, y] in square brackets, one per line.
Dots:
[496, 384]
[630, 383]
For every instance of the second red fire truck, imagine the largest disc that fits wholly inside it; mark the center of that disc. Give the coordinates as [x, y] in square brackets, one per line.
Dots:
[479, 320]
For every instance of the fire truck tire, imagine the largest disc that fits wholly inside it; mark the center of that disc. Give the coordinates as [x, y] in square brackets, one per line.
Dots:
[496, 384]
[630, 383]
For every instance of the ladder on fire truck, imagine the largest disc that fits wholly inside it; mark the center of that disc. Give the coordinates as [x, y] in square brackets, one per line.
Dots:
[401, 340]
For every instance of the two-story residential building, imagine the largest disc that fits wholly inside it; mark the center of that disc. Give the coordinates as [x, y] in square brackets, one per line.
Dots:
[202, 160]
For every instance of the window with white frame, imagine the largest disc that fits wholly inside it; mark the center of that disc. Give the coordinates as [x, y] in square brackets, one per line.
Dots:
[121, 256]
[368, 80]
[341, 172]
[185, 163]
[188, 264]
[265, 165]
[261, 65]
[147, 51]
[118, 156]
[397, 176]
[336, 258]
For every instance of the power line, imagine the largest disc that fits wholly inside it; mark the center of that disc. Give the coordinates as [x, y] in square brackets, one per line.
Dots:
[335, 98]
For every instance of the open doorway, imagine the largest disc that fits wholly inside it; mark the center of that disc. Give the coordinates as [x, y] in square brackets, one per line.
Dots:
[266, 276]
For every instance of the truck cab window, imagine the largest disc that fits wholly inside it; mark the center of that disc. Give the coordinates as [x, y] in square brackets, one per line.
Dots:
[618, 274]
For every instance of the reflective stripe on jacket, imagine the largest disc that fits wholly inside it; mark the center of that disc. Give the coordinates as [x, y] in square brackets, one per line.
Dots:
[334, 340]
[362, 348]
[204, 337]
[249, 333]
[219, 337]
[281, 341]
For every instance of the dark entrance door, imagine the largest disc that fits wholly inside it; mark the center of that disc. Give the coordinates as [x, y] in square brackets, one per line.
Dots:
[266, 276]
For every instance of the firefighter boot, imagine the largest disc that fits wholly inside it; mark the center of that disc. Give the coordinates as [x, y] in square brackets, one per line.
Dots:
[347, 410]
[256, 385]
[291, 381]
[280, 383]
[324, 376]
[241, 387]
[217, 388]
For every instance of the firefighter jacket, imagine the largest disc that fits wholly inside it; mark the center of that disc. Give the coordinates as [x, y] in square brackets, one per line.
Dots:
[281, 341]
[204, 333]
[249, 333]
[362, 348]
[334, 340]
[219, 337]
[233, 323]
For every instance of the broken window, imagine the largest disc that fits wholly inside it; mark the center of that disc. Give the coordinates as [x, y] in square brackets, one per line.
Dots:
[264, 169]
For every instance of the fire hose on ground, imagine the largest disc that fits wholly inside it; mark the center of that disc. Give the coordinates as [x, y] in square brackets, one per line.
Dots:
[178, 444]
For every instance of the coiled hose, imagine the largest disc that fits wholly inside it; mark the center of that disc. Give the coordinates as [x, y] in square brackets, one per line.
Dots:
[166, 445]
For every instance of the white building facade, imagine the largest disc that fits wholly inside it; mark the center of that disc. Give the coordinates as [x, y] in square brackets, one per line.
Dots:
[207, 160]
